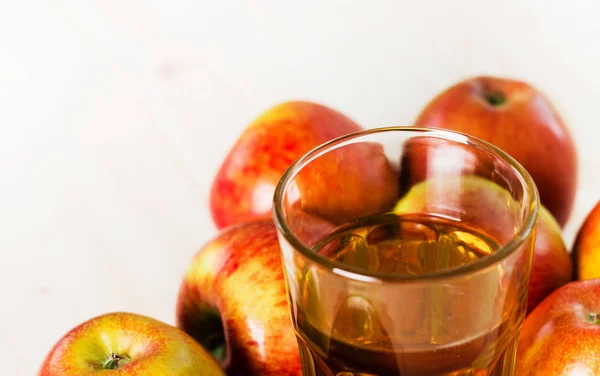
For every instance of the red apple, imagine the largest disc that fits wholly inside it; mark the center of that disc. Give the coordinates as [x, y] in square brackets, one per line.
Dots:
[519, 119]
[552, 266]
[244, 185]
[233, 297]
[490, 208]
[561, 336]
[130, 345]
[586, 250]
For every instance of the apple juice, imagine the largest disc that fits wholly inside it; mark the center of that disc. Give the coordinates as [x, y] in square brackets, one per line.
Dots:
[421, 330]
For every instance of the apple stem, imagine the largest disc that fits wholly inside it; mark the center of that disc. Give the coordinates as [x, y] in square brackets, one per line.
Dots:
[594, 318]
[114, 361]
[495, 98]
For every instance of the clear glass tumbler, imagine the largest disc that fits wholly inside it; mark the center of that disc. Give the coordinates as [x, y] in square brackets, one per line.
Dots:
[406, 251]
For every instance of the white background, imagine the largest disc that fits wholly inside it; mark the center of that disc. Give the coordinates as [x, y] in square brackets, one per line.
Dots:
[115, 115]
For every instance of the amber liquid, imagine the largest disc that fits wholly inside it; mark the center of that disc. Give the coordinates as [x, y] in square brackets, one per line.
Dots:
[421, 331]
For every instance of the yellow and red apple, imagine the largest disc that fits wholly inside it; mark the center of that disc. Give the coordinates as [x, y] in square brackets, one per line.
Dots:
[233, 298]
[516, 117]
[350, 181]
[245, 182]
[130, 345]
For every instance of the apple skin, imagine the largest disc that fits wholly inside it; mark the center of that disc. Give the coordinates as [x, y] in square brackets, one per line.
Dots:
[484, 205]
[561, 336]
[245, 182]
[526, 126]
[152, 347]
[234, 288]
[586, 248]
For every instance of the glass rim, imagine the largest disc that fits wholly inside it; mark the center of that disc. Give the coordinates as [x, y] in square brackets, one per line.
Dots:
[359, 274]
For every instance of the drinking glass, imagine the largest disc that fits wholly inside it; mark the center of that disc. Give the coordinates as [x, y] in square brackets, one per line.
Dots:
[406, 251]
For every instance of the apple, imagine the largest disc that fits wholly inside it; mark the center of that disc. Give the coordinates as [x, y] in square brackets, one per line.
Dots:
[349, 182]
[128, 344]
[245, 182]
[586, 249]
[552, 265]
[233, 301]
[516, 117]
[490, 208]
[561, 336]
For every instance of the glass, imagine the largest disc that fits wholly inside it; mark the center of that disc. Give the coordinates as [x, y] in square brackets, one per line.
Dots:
[406, 251]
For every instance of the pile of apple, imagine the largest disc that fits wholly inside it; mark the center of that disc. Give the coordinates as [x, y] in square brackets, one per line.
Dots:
[232, 313]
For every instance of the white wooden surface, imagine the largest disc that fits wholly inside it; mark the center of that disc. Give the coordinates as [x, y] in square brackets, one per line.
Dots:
[115, 114]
